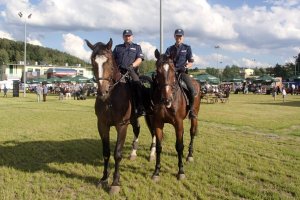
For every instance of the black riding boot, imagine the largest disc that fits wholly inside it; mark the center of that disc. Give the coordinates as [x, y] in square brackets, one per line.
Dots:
[139, 110]
[191, 110]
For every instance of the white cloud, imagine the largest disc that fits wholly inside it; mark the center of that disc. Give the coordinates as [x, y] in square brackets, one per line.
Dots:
[34, 42]
[148, 50]
[6, 35]
[199, 61]
[74, 45]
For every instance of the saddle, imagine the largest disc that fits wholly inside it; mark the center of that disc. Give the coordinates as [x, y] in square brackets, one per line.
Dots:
[183, 88]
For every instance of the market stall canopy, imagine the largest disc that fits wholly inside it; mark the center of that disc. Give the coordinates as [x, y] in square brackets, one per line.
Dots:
[65, 79]
[80, 79]
[295, 78]
[235, 79]
[202, 78]
[264, 79]
[37, 80]
[54, 79]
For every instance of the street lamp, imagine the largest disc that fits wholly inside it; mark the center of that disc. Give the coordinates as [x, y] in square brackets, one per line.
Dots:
[217, 47]
[25, 22]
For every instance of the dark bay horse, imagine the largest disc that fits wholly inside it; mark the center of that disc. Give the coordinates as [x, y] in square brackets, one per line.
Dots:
[113, 107]
[170, 106]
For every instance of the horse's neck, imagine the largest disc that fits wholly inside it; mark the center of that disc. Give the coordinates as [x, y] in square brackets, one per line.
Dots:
[116, 71]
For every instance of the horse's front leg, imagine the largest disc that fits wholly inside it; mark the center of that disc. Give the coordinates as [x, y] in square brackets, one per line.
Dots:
[121, 131]
[104, 134]
[179, 148]
[136, 130]
[158, 134]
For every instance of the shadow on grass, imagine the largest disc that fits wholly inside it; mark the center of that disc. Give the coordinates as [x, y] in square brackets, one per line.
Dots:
[34, 156]
[278, 103]
[37, 155]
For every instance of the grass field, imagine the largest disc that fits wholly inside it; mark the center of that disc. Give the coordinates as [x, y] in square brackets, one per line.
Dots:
[248, 148]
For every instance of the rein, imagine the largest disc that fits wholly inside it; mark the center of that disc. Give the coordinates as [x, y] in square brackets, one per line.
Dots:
[110, 79]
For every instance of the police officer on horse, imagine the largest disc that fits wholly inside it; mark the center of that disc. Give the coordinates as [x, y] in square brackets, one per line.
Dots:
[183, 59]
[128, 57]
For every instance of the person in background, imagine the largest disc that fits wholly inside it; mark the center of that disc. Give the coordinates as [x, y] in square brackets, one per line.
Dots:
[274, 93]
[45, 92]
[283, 94]
[38, 91]
[5, 91]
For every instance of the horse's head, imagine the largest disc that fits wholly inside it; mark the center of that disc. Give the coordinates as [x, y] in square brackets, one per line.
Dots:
[166, 77]
[103, 66]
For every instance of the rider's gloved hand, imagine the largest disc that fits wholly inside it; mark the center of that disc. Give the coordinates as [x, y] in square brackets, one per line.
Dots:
[130, 67]
[180, 70]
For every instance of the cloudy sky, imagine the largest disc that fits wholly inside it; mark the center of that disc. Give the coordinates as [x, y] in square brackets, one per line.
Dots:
[249, 32]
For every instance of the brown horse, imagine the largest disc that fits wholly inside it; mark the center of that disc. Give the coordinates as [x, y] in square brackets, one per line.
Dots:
[113, 107]
[170, 106]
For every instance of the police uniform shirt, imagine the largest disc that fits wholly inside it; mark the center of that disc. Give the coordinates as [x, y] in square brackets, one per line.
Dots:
[125, 55]
[182, 54]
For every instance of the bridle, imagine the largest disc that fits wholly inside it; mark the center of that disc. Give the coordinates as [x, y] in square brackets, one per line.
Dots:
[174, 85]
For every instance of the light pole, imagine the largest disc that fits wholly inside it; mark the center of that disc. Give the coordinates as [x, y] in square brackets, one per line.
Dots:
[25, 40]
[296, 63]
[217, 47]
[254, 65]
[161, 28]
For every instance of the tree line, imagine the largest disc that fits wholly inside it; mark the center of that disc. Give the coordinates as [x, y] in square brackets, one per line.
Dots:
[12, 52]
[285, 71]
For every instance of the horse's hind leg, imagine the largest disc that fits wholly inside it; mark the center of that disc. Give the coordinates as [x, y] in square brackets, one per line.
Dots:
[136, 130]
[104, 134]
[193, 131]
[149, 122]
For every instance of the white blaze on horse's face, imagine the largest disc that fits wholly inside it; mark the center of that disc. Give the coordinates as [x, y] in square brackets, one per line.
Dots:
[100, 60]
[166, 68]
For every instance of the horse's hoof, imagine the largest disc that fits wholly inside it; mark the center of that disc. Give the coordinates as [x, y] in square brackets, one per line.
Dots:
[152, 158]
[180, 176]
[155, 178]
[132, 157]
[114, 190]
[190, 159]
[102, 184]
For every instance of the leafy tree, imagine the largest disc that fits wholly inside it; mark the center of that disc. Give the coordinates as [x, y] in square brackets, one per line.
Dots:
[212, 71]
[4, 58]
[147, 66]
[231, 72]
[259, 71]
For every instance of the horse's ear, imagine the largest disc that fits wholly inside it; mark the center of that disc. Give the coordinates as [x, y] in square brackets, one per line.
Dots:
[109, 44]
[157, 54]
[92, 47]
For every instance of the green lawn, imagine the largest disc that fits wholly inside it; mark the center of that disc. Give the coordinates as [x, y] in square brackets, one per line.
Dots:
[248, 148]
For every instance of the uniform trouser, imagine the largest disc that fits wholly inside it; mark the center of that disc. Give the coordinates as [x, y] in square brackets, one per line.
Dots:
[188, 81]
[136, 86]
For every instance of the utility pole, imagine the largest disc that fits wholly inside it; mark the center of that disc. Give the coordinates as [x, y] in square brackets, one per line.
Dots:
[25, 40]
